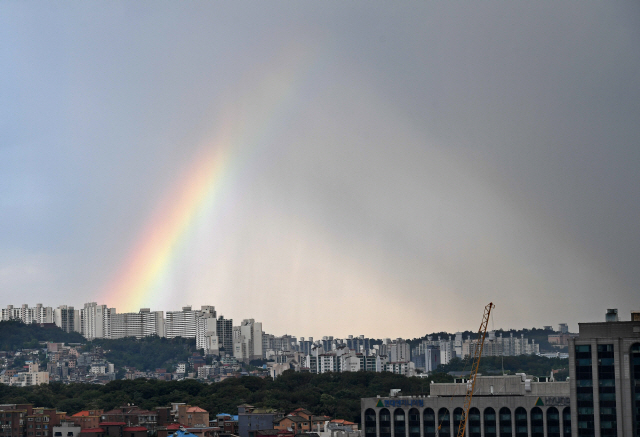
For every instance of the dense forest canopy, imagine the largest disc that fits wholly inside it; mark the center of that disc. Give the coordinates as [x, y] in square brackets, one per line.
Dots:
[15, 335]
[148, 353]
[335, 394]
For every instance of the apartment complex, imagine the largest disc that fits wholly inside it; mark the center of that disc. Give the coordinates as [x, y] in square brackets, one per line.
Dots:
[37, 314]
[140, 324]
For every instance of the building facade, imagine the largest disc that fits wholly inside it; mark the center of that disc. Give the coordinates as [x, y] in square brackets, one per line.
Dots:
[95, 321]
[604, 370]
[65, 317]
[504, 406]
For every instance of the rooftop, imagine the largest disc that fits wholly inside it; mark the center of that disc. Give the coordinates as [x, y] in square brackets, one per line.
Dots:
[507, 385]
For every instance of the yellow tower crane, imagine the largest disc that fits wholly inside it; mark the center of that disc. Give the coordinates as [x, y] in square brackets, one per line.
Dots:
[482, 332]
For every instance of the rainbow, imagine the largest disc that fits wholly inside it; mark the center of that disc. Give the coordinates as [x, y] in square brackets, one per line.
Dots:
[200, 191]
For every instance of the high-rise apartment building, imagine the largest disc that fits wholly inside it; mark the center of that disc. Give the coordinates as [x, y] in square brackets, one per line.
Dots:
[206, 331]
[247, 341]
[224, 329]
[181, 323]
[141, 324]
[399, 351]
[152, 322]
[65, 318]
[126, 325]
[95, 321]
[37, 314]
[304, 346]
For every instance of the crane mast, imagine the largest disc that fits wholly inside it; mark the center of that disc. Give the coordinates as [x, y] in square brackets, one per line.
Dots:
[482, 332]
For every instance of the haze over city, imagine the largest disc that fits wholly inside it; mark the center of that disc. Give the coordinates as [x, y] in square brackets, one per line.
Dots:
[326, 168]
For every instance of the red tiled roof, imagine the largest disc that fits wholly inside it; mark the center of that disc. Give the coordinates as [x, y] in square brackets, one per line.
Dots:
[81, 413]
[96, 430]
[173, 426]
[196, 410]
[135, 428]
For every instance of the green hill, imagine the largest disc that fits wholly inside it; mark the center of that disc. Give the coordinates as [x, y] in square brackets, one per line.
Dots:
[15, 335]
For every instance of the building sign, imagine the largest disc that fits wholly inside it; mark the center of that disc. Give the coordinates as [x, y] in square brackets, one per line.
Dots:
[553, 401]
[400, 403]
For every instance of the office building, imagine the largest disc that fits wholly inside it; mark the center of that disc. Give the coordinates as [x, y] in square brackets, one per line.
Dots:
[513, 406]
[604, 369]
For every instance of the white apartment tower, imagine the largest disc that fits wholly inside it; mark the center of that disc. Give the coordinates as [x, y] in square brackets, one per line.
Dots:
[152, 322]
[181, 323]
[37, 314]
[95, 321]
[247, 341]
[206, 331]
[399, 351]
[65, 318]
[138, 325]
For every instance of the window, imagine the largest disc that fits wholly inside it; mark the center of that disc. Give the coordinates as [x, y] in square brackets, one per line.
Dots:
[398, 422]
[369, 423]
[584, 380]
[429, 422]
[505, 422]
[489, 422]
[607, 390]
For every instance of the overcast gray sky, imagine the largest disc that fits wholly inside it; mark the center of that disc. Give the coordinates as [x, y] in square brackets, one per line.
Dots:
[377, 168]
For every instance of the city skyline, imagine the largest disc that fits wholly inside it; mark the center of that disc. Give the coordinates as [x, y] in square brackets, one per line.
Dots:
[41, 313]
[365, 168]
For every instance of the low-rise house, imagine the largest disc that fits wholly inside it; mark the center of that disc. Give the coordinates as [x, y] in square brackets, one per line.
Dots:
[66, 429]
[113, 429]
[41, 421]
[252, 419]
[227, 423]
[87, 418]
[132, 416]
[301, 420]
[189, 416]
[92, 432]
[134, 431]
[165, 431]
[274, 433]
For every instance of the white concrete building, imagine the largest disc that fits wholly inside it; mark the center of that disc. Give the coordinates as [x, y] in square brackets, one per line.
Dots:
[207, 331]
[32, 377]
[66, 318]
[95, 321]
[181, 323]
[399, 351]
[37, 314]
[141, 324]
[67, 429]
[247, 341]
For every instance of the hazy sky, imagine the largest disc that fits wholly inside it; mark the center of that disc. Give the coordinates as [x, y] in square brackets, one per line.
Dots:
[376, 168]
